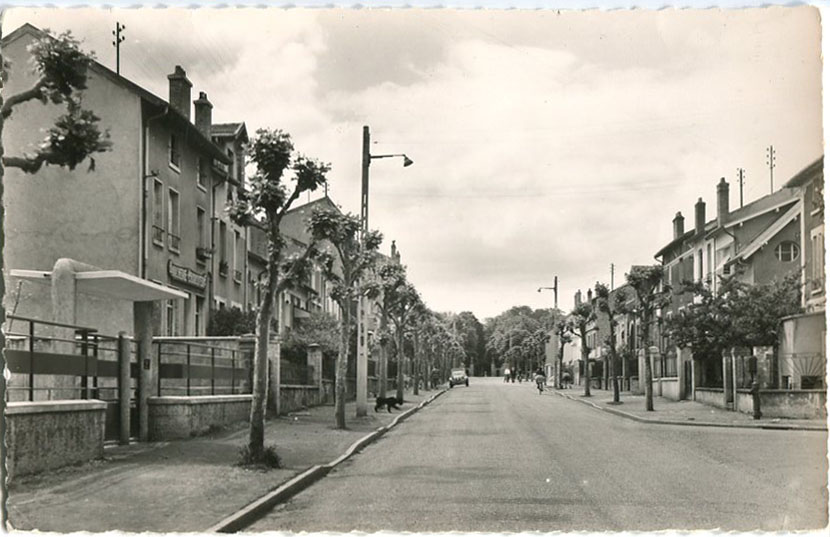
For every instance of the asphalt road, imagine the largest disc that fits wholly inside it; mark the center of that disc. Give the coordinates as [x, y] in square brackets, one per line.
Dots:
[500, 457]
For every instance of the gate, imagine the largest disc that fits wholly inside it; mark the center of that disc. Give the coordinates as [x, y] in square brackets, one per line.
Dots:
[57, 361]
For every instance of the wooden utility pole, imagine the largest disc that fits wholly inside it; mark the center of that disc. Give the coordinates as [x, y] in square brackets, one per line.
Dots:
[771, 164]
[741, 184]
[119, 38]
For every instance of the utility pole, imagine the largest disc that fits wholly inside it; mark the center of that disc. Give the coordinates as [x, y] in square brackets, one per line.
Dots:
[119, 38]
[741, 184]
[612, 276]
[771, 164]
[362, 380]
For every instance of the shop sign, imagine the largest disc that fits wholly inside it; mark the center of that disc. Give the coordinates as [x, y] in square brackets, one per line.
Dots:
[186, 275]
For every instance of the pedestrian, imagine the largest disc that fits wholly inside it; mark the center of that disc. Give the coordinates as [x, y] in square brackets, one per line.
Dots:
[513, 375]
[434, 376]
[539, 377]
[507, 374]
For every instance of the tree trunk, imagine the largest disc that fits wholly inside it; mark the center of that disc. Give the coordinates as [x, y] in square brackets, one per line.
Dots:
[586, 366]
[399, 393]
[256, 433]
[561, 359]
[384, 356]
[649, 388]
[3, 512]
[417, 365]
[340, 375]
[615, 359]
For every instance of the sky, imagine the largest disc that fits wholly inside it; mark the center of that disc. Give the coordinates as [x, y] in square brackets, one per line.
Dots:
[544, 143]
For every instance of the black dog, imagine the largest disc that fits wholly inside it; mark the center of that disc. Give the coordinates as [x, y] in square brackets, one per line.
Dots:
[389, 402]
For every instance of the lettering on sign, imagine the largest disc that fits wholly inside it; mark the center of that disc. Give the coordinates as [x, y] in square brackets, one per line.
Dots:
[186, 275]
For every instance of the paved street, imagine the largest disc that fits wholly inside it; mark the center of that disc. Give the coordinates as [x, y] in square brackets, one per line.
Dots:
[500, 457]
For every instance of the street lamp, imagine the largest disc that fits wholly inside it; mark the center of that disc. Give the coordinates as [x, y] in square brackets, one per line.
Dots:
[362, 380]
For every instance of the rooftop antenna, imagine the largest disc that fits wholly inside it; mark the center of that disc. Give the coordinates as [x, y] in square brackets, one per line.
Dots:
[119, 38]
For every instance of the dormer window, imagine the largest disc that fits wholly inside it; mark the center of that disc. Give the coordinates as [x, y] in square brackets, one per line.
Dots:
[786, 251]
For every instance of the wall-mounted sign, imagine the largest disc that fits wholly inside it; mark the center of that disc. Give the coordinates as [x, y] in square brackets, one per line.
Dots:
[186, 275]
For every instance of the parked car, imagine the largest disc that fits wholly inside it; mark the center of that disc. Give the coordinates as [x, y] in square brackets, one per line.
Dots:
[459, 376]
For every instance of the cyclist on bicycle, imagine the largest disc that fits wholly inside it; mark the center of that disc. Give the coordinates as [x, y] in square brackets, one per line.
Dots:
[539, 377]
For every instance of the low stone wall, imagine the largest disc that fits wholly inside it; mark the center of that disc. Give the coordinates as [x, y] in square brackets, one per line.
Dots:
[172, 417]
[793, 404]
[45, 435]
[710, 396]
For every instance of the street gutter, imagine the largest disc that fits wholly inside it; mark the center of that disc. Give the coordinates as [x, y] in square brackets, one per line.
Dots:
[258, 508]
[770, 426]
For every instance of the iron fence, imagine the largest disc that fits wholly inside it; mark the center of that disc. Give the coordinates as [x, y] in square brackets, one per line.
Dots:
[190, 368]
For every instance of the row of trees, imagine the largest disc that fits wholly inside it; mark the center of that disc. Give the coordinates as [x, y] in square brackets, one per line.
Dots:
[518, 337]
[734, 314]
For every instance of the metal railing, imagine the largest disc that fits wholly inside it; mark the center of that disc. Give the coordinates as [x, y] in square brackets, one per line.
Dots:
[55, 351]
[189, 368]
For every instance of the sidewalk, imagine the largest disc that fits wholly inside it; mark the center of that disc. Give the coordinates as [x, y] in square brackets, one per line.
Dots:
[187, 485]
[670, 412]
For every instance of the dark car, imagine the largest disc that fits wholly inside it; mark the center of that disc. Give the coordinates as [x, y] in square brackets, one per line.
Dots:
[459, 376]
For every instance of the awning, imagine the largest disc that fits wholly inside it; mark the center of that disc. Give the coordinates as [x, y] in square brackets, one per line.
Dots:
[110, 284]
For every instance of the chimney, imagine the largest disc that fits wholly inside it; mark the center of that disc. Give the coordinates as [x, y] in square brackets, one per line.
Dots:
[396, 256]
[577, 298]
[590, 296]
[678, 225]
[723, 201]
[180, 91]
[203, 112]
[700, 216]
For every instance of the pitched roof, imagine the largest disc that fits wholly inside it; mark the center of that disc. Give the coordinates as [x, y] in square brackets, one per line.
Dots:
[815, 169]
[193, 134]
[229, 130]
[768, 233]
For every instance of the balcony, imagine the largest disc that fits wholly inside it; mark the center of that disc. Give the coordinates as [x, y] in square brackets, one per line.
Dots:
[158, 235]
[203, 253]
[223, 268]
[174, 242]
[237, 276]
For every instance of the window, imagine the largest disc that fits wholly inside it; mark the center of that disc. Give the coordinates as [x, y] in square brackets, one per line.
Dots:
[700, 264]
[237, 270]
[223, 249]
[710, 263]
[175, 152]
[201, 227]
[173, 221]
[158, 213]
[817, 265]
[232, 165]
[172, 318]
[201, 173]
[786, 251]
[200, 306]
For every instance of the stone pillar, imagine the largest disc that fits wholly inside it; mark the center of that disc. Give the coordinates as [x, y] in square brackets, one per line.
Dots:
[123, 388]
[727, 390]
[147, 365]
[315, 361]
[274, 374]
[63, 311]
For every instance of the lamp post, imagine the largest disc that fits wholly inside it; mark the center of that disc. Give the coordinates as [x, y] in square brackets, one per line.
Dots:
[362, 381]
[555, 289]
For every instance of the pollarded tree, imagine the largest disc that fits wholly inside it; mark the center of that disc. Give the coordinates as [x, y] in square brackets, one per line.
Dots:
[611, 308]
[269, 195]
[581, 317]
[342, 231]
[647, 284]
[405, 308]
[391, 276]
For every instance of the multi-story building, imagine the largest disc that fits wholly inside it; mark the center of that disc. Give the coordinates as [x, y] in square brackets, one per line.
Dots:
[756, 243]
[145, 209]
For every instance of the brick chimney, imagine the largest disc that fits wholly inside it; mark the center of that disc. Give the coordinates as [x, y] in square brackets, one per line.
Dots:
[396, 256]
[723, 201]
[590, 296]
[700, 216]
[203, 112]
[679, 222]
[180, 91]
[577, 298]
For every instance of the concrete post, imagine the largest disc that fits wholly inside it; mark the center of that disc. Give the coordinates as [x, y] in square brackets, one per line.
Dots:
[726, 388]
[274, 374]
[147, 365]
[362, 373]
[734, 383]
[63, 311]
[123, 388]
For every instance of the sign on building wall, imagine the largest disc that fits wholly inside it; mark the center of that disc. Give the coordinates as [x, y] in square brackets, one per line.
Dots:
[186, 275]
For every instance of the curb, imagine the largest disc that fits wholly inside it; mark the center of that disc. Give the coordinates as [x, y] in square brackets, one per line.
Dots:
[622, 413]
[255, 510]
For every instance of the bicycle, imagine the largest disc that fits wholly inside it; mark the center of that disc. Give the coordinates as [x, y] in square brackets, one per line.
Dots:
[540, 383]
